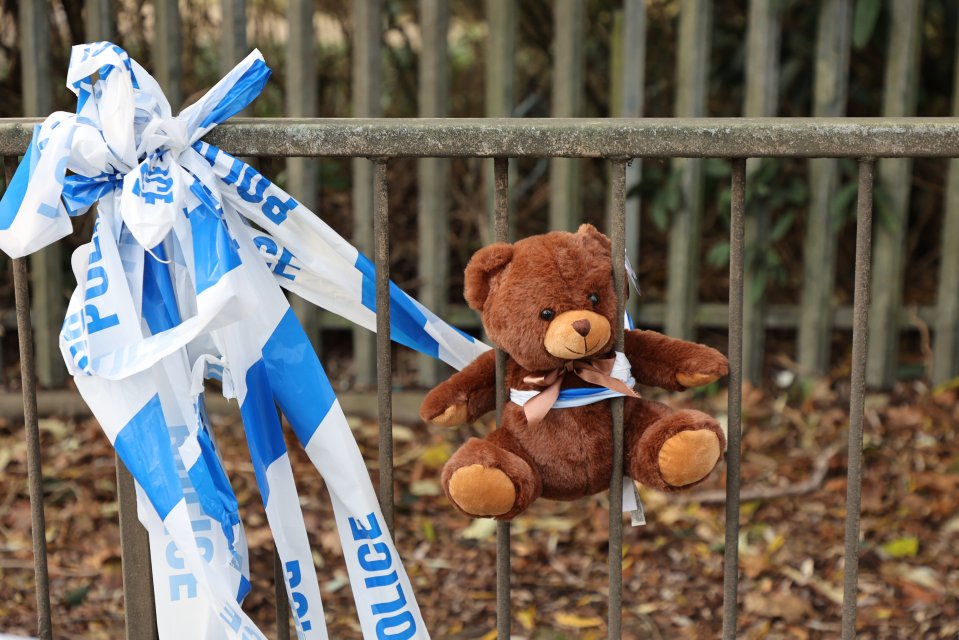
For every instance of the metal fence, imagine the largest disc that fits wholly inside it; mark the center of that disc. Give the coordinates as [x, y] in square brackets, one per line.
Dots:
[617, 140]
[638, 72]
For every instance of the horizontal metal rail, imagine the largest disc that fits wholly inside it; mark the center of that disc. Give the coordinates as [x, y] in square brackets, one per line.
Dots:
[617, 140]
[571, 137]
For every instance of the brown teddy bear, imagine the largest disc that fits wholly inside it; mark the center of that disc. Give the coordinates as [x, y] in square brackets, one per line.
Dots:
[548, 301]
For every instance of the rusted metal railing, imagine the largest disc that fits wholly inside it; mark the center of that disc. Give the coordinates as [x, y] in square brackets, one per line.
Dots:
[617, 140]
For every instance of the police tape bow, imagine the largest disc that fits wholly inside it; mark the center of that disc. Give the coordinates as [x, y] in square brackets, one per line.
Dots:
[177, 286]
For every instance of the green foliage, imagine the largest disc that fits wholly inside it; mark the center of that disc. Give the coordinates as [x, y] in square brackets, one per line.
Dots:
[864, 21]
[782, 193]
[842, 209]
[667, 200]
[718, 256]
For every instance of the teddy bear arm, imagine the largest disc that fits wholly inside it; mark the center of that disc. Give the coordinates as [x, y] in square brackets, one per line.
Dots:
[465, 396]
[668, 363]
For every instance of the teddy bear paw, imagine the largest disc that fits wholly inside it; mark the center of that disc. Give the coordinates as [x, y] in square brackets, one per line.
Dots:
[689, 456]
[690, 380]
[482, 491]
[455, 414]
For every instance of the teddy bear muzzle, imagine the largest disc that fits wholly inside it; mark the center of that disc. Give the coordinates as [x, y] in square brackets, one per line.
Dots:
[576, 334]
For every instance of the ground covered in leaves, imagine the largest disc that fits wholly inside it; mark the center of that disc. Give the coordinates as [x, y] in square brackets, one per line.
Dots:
[791, 562]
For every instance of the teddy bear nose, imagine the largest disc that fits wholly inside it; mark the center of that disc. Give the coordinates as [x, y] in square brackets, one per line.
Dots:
[581, 327]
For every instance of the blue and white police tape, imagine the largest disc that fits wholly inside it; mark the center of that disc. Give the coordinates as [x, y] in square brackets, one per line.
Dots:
[176, 286]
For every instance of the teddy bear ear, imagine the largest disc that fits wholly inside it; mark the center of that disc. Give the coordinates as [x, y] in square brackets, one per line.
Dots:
[482, 268]
[593, 234]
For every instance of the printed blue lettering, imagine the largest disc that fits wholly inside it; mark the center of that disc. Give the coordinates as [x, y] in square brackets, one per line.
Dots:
[359, 533]
[200, 525]
[72, 327]
[231, 618]
[243, 189]
[173, 560]
[263, 243]
[95, 322]
[381, 564]
[178, 582]
[96, 274]
[294, 576]
[82, 361]
[277, 210]
[178, 434]
[390, 607]
[153, 198]
[385, 628]
[206, 547]
[300, 605]
[60, 174]
[210, 153]
[377, 557]
[162, 186]
[47, 211]
[281, 265]
[381, 581]
[235, 169]
[95, 254]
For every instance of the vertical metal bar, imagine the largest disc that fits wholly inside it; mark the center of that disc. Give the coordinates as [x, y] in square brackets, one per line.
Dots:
[433, 176]
[384, 366]
[860, 333]
[501, 230]
[568, 57]
[138, 602]
[166, 50]
[282, 600]
[28, 379]
[618, 237]
[736, 263]
[366, 78]
[695, 34]
[45, 265]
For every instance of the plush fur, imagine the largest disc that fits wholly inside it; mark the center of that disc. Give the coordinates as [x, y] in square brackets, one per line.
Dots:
[546, 300]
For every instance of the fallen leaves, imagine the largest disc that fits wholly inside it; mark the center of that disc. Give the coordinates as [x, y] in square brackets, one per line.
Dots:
[791, 546]
[906, 547]
[573, 621]
[788, 606]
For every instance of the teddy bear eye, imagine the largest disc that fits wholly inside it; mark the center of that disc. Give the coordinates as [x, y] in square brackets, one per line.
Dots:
[547, 314]
[593, 298]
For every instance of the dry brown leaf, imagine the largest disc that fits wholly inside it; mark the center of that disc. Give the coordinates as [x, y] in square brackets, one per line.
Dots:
[574, 621]
[787, 606]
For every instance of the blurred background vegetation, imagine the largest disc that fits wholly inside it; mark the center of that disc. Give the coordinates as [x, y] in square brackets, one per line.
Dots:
[782, 187]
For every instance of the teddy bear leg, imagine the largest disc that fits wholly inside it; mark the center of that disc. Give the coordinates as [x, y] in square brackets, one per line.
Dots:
[670, 450]
[485, 480]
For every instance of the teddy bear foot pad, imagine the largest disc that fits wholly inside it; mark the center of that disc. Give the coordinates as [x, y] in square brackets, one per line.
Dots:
[688, 457]
[482, 491]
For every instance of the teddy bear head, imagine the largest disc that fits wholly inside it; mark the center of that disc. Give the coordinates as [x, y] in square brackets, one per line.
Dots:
[546, 299]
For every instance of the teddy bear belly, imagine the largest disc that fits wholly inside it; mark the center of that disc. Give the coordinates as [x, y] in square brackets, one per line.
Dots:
[571, 448]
